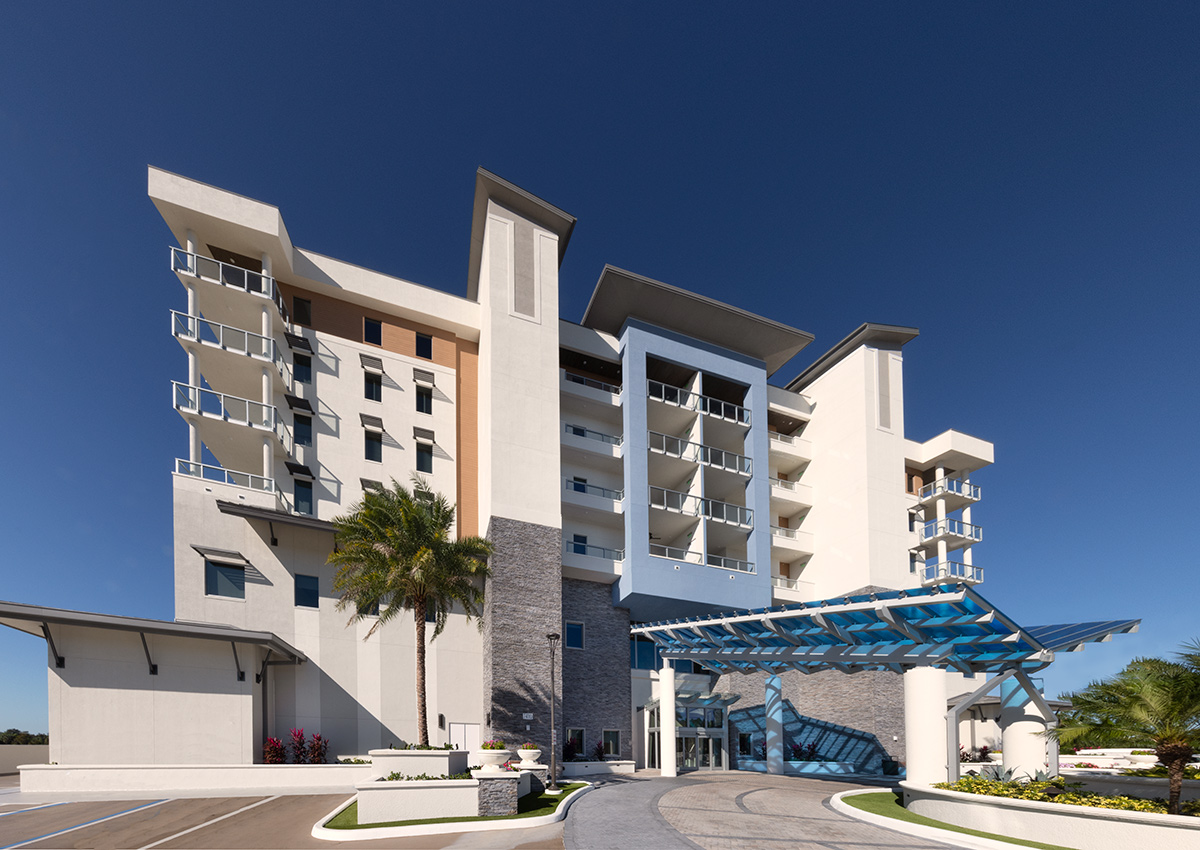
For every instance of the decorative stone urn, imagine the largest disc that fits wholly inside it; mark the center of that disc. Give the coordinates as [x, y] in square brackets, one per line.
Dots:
[1151, 758]
[996, 757]
[528, 757]
[491, 760]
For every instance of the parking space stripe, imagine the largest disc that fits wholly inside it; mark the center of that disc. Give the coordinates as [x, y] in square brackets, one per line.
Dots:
[207, 823]
[30, 809]
[23, 842]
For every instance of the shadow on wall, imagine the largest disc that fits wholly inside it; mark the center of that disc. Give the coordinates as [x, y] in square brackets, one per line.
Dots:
[507, 721]
[833, 742]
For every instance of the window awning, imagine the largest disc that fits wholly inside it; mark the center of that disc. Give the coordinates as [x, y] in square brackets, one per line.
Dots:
[375, 423]
[223, 556]
[297, 403]
[297, 342]
[425, 435]
[370, 363]
[423, 376]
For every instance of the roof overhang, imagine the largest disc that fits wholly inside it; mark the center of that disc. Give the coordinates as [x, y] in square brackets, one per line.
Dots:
[620, 295]
[490, 187]
[252, 512]
[868, 333]
[31, 618]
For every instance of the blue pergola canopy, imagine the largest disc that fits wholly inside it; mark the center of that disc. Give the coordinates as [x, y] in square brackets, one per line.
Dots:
[947, 626]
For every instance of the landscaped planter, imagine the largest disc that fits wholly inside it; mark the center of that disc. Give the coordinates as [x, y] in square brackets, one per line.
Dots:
[1146, 787]
[1082, 827]
[1143, 759]
[529, 757]
[382, 801]
[802, 768]
[416, 762]
[592, 768]
[490, 760]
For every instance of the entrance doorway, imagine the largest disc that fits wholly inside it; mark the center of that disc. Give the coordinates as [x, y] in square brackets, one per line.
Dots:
[694, 752]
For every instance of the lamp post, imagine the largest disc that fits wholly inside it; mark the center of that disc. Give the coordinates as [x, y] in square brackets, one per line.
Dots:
[553, 788]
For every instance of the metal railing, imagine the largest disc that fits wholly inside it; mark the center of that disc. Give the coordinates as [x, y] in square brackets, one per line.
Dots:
[674, 553]
[789, 533]
[588, 549]
[786, 439]
[786, 583]
[688, 400]
[730, 564]
[241, 411]
[225, 476]
[227, 274]
[954, 527]
[784, 484]
[589, 434]
[955, 486]
[229, 338]
[594, 490]
[698, 453]
[952, 570]
[673, 500]
[593, 383]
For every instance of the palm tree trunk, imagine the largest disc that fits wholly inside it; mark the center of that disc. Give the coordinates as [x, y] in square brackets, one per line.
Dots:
[1175, 783]
[422, 718]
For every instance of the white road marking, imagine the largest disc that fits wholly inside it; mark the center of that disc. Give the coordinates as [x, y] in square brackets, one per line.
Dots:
[82, 825]
[210, 823]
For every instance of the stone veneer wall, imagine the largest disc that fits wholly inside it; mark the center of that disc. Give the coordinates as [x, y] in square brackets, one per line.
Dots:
[522, 604]
[597, 692]
[498, 797]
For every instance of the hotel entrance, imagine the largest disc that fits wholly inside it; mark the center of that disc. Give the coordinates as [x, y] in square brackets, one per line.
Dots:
[700, 731]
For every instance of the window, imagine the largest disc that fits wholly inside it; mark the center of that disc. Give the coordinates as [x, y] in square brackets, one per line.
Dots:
[372, 386]
[714, 718]
[302, 311]
[302, 429]
[579, 544]
[371, 610]
[431, 611]
[642, 653]
[424, 458]
[308, 592]
[579, 485]
[425, 346]
[302, 364]
[575, 741]
[612, 742]
[224, 580]
[374, 446]
[373, 331]
[368, 484]
[424, 400]
[744, 744]
[573, 635]
[304, 497]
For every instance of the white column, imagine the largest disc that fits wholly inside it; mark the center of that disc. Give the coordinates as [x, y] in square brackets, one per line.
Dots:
[966, 552]
[925, 725]
[268, 456]
[194, 452]
[773, 705]
[666, 722]
[192, 242]
[1021, 725]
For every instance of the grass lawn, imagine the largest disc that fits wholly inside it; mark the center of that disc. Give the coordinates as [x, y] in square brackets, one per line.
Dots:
[887, 803]
[529, 806]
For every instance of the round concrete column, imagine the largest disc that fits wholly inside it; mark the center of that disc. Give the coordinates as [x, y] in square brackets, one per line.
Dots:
[925, 725]
[666, 721]
[1021, 725]
[773, 705]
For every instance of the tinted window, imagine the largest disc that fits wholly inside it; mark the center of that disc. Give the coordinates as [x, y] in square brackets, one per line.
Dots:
[425, 346]
[373, 331]
[302, 311]
[303, 368]
[224, 580]
[424, 400]
[375, 446]
[573, 635]
[372, 386]
[308, 592]
[303, 430]
[424, 458]
[304, 497]
[612, 743]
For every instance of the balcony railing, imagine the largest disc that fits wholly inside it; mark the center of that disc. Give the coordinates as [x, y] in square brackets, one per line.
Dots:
[951, 527]
[229, 338]
[589, 434]
[225, 476]
[673, 500]
[786, 583]
[694, 401]
[593, 383]
[953, 486]
[674, 553]
[594, 490]
[230, 408]
[786, 439]
[591, 551]
[784, 484]
[697, 453]
[227, 274]
[789, 533]
[952, 570]
[730, 564]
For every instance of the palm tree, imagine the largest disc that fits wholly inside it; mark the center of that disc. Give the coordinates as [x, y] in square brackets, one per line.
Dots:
[394, 553]
[1151, 700]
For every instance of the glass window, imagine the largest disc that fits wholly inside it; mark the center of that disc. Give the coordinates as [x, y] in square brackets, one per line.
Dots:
[695, 717]
[302, 428]
[612, 742]
[680, 716]
[642, 653]
[304, 497]
[302, 368]
[372, 386]
[373, 331]
[574, 743]
[308, 592]
[573, 635]
[579, 544]
[374, 450]
[302, 311]
[424, 400]
[224, 580]
[431, 611]
[424, 458]
[425, 346]
[371, 610]
[744, 744]
[715, 718]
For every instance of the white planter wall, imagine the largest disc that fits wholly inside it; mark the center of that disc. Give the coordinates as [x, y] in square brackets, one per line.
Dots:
[228, 778]
[381, 801]
[593, 768]
[416, 762]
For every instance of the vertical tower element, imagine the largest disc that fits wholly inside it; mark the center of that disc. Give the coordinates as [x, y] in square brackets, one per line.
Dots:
[925, 724]
[517, 241]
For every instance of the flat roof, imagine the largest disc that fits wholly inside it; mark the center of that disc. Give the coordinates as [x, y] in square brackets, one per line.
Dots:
[620, 295]
[18, 615]
[866, 332]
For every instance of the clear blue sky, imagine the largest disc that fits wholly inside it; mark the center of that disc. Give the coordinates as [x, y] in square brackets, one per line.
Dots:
[1020, 181]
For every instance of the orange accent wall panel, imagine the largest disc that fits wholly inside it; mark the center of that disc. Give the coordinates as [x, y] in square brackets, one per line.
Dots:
[467, 375]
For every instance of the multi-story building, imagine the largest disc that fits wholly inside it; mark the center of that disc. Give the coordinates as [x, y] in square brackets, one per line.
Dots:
[641, 464]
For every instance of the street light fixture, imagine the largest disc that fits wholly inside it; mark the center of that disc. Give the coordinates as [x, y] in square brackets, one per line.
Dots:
[553, 638]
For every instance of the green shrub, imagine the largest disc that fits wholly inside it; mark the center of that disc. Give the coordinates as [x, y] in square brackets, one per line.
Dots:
[1057, 791]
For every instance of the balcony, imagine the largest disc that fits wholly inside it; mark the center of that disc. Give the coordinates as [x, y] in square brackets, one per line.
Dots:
[223, 421]
[592, 503]
[787, 495]
[601, 398]
[697, 453]
[955, 532]
[956, 492]
[788, 542]
[951, 571]
[592, 563]
[688, 557]
[219, 475]
[256, 284]
[594, 490]
[223, 352]
[715, 407]
[584, 445]
[723, 563]
[682, 503]
[785, 590]
[789, 453]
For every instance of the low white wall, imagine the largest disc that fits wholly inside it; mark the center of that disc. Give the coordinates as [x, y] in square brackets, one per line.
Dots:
[1081, 827]
[802, 768]
[12, 755]
[157, 778]
[593, 768]
[1131, 786]
[416, 762]
[381, 801]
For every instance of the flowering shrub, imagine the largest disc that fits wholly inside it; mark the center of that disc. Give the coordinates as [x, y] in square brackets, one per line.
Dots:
[1055, 791]
[354, 761]
[299, 747]
[395, 776]
[318, 749]
[804, 752]
[598, 751]
[494, 744]
[273, 751]
[528, 745]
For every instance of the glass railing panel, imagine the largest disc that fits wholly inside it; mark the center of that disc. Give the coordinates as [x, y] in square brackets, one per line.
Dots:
[956, 527]
[594, 551]
[589, 434]
[789, 533]
[784, 484]
[227, 274]
[676, 554]
[786, 583]
[593, 383]
[594, 490]
[226, 476]
[953, 486]
[730, 563]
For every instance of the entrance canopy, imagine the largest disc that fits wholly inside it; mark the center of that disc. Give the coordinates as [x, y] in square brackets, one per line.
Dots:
[946, 626]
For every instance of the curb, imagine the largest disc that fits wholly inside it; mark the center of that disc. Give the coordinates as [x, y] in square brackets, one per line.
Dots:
[945, 836]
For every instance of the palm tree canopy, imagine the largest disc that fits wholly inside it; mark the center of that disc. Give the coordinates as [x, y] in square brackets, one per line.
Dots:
[395, 551]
